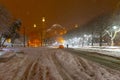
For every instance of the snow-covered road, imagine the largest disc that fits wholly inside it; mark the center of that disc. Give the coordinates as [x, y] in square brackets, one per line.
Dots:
[53, 64]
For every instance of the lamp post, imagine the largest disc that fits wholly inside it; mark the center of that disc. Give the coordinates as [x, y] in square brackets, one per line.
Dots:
[24, 37]
[43, 31]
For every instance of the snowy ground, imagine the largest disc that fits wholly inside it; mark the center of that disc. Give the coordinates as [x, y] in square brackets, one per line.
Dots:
[53, 64]
[107, 50]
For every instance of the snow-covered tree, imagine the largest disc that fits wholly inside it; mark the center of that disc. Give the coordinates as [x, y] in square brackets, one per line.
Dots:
[12, 31]
[8, 26]
[5, 21]
[112, 33]
[115, 20]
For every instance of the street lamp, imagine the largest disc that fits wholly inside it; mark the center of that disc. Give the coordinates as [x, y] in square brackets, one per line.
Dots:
[114, 27]
[34, 25]
[43, 19]
[43, 33]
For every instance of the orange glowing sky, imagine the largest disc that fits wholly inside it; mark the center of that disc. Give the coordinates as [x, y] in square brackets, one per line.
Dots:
[64, 12]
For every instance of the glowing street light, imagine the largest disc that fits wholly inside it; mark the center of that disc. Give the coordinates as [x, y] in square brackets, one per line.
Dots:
[76, 25]
[114, 27]
[85, 35]
[43, 19]
[42, 32]
[34, 25]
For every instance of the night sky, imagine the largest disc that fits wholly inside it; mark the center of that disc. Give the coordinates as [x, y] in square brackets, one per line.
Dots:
[64, 12]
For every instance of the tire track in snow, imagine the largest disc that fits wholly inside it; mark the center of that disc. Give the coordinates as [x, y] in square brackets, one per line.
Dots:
[22, 69]
[60, 68]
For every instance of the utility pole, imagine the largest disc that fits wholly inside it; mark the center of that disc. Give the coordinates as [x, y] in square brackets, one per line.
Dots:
[43, 31]
[24, 37]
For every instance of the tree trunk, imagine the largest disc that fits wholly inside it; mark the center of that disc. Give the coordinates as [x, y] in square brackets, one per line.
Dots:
[41, 39]
[83, 42]
[92, 40]
[3, 42]
[100, 40]
[112, 42]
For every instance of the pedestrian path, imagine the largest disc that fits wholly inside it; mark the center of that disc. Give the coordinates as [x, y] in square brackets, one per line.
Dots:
[111, 51]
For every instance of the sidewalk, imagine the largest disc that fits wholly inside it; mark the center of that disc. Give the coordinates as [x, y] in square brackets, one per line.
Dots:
[110, 51]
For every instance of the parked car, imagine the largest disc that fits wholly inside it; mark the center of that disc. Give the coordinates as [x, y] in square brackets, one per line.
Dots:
[61, 46]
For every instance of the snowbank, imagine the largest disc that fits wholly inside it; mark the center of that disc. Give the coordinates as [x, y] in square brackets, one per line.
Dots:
[112, 51]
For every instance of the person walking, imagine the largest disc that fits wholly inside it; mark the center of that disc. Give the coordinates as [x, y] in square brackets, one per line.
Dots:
[67, 45]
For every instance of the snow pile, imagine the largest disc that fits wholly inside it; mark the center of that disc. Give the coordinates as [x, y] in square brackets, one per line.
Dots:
[81, 69]
[112, 51]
